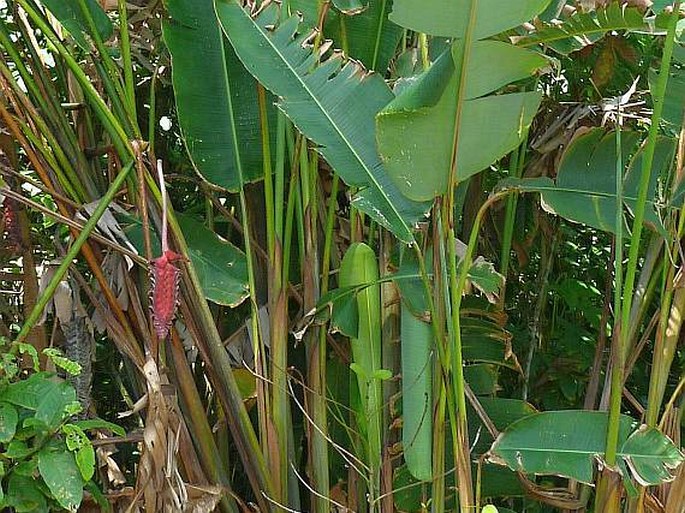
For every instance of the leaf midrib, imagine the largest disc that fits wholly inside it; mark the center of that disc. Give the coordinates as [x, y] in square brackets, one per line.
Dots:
[578, 452]
[326, 115]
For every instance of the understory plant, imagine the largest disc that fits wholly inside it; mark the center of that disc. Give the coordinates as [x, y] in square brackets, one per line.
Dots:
[346, 256]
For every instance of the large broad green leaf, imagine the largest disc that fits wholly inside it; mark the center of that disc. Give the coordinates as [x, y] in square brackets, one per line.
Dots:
[502, 412]
[52, 406]
[333, 103]
[436, 112]
[651, 456]
[452, 19]
[484, 341]
[372, 38]
[551, 443]
[216, 97]
[586, 181]
[71, 17]
[28, 393]
[674, 105]
[63, 477]
[8, 422]
[350, 7]
[221, 267]
[482, 378]
[24, 495]
[585, 28]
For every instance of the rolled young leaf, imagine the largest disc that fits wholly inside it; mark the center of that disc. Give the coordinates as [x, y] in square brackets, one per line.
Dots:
[417, 394]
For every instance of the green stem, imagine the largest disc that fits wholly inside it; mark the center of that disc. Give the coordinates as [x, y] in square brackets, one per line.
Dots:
[509, 217]
[107, 118]
[462, 460]
[110, 74]
[639, 213]
[619, 341]
[61, 271]
[127, 61]
[213, 350]
[259, 356]
[152, 117]
[319, 410]
[668, 334]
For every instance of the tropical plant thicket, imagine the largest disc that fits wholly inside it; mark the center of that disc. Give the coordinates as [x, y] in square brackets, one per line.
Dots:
[342, 255]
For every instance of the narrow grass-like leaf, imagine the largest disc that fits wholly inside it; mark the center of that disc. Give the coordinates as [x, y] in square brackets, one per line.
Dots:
[333, 103]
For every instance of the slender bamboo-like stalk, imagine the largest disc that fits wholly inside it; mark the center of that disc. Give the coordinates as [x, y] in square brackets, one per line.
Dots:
[110, 76]
[668, 332]
[462, 459]
[197, 422]
[319, 461]
[127, 62]
[278, 327]
[510, 216]
[61, 271]
[631, 268]
[107, 118]
[220, 371]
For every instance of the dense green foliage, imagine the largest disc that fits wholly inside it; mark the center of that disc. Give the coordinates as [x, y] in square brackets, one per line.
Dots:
[420, 255]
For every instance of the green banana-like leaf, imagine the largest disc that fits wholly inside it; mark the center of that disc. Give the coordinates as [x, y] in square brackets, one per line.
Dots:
[589, 165]
[372, 37]
[368, 36]
[417, 346]
[449, 112]
[455, 18]
[585, 28]
[585, 189]
[333, 103]
[674, 105]
[484, 341]
[221, 267]
[502, 412]
[550, 443]
[216, 97]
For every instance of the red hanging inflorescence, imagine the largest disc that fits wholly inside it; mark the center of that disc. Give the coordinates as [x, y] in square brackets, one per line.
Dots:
[165, 276]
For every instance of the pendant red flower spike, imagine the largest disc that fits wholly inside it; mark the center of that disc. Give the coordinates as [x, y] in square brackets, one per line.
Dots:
[164, 275]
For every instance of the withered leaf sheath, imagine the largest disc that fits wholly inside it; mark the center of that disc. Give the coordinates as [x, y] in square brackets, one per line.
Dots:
[12, 227]
[165, 276]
